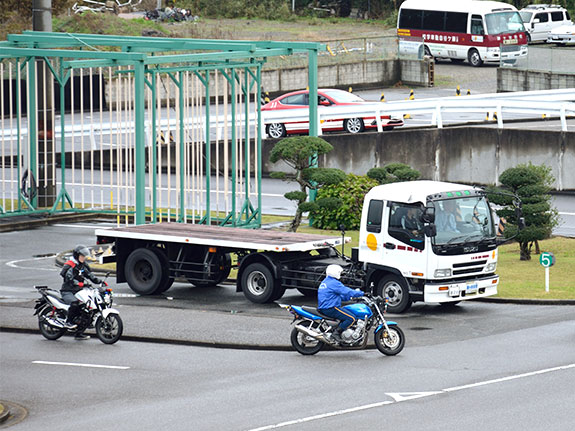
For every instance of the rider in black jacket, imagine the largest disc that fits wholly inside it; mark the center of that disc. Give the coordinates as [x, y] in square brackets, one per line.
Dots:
[75, 272]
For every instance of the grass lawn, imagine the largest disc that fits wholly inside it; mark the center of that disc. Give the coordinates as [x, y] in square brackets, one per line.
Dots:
[518, 279]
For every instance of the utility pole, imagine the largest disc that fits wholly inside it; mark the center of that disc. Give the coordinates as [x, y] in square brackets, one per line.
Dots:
[42, 21]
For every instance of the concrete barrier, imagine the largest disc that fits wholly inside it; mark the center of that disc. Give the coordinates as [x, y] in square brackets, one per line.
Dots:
[473, 155]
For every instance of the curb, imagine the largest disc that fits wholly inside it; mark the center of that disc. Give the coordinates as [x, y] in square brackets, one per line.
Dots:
[527, 301]
[25, 222]
[170, 341]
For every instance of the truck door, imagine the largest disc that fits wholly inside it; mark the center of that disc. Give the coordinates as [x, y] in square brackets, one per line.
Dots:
[404, 240]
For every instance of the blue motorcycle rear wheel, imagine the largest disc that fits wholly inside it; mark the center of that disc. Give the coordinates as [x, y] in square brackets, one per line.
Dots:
[305, 344]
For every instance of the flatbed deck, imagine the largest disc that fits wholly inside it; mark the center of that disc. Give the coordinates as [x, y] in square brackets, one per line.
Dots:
[234, 238]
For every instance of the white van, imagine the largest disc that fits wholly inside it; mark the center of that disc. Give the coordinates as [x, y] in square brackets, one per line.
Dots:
[540, 19]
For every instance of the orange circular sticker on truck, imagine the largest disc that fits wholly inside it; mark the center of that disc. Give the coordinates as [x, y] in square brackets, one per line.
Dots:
[371, 242]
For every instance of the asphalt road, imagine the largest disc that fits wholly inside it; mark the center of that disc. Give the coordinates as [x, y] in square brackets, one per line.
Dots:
[514, 380]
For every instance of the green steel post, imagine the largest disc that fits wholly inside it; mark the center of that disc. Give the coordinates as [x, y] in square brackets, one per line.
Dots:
[313, 119]
[181, 149]
[259, 143]
[208, 150]
[32, 127]
[154, 149]
[246, 140]
[234, 138]
[140, 162]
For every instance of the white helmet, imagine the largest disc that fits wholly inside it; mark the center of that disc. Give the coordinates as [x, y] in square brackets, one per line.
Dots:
[334, 271]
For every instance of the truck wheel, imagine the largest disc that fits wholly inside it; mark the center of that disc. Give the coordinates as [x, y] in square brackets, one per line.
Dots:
[258, 283]
[395, 288]
[144, 271]
[166, 267]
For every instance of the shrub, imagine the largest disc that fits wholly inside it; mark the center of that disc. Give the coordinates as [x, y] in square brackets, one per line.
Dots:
[342, 203]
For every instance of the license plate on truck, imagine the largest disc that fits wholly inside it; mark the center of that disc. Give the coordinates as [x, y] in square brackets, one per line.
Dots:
[454, 290]
[471, 288]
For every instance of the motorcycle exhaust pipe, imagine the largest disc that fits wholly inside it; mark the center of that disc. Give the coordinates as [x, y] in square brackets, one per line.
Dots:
[54, 322]
[311, 333]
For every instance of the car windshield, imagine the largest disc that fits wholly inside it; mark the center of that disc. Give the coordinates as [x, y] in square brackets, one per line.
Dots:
[504, 22]
[463, 220]
[342, 96]
[526, 16]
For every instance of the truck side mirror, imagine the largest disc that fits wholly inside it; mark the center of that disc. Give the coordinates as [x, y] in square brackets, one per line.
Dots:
[430, 230]
[428, 215]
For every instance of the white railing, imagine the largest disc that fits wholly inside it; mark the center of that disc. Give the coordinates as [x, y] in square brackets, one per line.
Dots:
[537, 103]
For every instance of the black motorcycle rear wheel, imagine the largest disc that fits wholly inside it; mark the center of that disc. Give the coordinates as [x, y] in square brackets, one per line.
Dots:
[390, 342]
[48, 331]
[109, 330]
[305, 344]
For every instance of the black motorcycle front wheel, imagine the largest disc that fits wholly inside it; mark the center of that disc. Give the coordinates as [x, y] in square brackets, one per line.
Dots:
[48, 331]
[109, 329]
[390, 342]
[305, 344]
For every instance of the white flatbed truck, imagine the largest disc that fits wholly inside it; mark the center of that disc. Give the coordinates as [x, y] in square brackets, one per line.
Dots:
[423, 241]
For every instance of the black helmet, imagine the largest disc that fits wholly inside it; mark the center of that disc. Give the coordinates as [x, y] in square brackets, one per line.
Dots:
[81, 250]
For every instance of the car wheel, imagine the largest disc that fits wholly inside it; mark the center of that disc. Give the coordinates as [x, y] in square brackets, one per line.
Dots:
[474, 58]
[276, 130]
[353, 125]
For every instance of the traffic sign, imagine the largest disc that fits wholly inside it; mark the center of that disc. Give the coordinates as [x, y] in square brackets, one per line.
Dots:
[547, 259]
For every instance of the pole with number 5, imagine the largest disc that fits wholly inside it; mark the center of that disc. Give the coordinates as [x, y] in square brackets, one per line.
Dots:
[547, 260]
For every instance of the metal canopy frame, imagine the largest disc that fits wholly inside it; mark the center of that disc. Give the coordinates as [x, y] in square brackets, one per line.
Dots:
[145, 58]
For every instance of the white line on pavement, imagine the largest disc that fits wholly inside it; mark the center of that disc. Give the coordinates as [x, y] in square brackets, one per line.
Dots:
[407, 396]
[72, 364]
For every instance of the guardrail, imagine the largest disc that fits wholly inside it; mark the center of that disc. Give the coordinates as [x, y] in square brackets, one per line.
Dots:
[537, 103]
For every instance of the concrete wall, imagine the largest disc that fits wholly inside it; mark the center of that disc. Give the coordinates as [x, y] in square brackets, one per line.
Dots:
[474, 155]
[366, 73]
[509, 79]
[378, 73]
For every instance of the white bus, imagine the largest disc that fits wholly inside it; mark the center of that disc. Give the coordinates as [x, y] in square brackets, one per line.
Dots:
[477, 31]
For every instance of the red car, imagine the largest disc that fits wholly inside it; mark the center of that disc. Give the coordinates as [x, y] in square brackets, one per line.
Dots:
[327, 98]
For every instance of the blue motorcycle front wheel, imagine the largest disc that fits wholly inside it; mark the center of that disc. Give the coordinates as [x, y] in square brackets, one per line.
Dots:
[305, 344]
[390, 342]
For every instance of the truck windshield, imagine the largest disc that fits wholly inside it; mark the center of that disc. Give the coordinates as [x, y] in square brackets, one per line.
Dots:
[504, 22]
[463, 220]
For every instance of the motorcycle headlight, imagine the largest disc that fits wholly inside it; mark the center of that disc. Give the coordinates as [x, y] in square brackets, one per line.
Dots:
[441, 273]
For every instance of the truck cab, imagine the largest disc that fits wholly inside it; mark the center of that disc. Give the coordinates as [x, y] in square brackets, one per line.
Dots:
[428, 241]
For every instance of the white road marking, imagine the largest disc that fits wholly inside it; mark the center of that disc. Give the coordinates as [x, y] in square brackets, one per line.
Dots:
[14, 263]
[407, 396]
[72, 364]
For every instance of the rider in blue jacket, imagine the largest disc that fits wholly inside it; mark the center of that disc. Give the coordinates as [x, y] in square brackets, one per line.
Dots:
[330, 293]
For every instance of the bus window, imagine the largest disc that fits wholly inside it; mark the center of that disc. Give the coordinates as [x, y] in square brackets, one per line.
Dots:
[433, 20]
[504, 23]
[456, 22]
[410, 18]
[477, 25]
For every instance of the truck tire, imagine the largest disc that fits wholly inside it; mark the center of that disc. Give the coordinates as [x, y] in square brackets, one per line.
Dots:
[258, 284]
[144, 271]
[166, 266]
[395, 288]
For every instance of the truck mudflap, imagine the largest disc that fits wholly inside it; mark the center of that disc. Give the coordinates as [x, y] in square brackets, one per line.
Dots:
[461, 291]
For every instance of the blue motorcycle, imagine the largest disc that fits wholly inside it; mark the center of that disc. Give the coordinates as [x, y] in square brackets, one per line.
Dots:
[313, 330]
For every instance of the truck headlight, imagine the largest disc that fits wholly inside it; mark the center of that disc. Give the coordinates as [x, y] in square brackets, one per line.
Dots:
[440, 273]
[491, 267]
